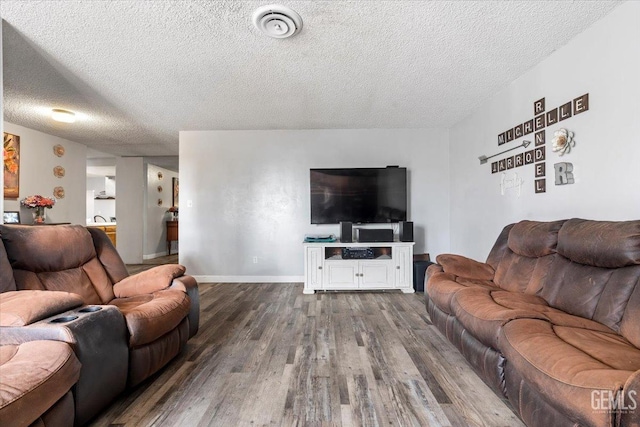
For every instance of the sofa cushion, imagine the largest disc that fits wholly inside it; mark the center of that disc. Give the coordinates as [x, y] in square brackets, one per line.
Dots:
[529, 252]
[607, 244]
[39, 264]
[500, 247]
[522, 274]
[73, 280]
[148, 281]
[483, 311]
[565, 365]
[37, 249]
[150, 316]
[464, 267]
[35, 375]
[534, 238]
[20, 308]
[108, 255]
[441, 287]
[588, 291]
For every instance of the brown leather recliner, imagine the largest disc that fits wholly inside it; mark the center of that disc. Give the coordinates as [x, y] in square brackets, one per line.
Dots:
[148, 317]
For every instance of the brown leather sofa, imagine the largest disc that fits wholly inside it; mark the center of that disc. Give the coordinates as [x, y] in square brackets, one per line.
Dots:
[122, 328]
[551, 321]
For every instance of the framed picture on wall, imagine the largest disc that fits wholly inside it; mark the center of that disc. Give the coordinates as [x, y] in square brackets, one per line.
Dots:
[176, 189]
[11, 169]
[11, 217]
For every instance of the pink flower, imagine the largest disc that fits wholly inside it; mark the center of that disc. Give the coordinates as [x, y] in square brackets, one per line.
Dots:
[38, 201]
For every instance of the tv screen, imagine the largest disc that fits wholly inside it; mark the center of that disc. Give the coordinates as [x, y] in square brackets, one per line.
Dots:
[361, 195]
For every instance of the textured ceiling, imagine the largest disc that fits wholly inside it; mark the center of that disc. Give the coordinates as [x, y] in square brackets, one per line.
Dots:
[138, 72]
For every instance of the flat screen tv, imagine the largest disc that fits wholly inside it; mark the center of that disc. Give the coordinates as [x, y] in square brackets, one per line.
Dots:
[359, 195]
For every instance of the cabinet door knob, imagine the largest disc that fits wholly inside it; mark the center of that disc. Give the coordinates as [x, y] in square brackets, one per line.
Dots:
[398, 267]
[319, 267]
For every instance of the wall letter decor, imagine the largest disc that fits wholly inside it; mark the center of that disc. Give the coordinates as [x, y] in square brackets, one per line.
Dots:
[562, 141]
[564, 173]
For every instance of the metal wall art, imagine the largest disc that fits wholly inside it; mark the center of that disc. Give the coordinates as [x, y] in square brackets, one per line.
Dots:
[58, 150]
[58, 192]
[58, 171]
[562, 141]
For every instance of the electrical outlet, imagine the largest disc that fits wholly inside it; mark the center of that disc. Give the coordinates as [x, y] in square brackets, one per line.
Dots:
[255, 259]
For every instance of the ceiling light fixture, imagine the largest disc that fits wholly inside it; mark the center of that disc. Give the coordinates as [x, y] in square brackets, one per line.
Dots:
[277, 21]
[64, 116]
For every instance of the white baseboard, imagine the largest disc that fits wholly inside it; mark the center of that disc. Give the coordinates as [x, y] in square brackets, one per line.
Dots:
[156, 255]
[248, 279]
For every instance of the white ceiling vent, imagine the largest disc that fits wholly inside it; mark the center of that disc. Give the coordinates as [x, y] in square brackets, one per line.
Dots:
[277, 21]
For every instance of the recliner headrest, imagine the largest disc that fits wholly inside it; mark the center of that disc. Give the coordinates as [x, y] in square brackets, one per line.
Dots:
[607, 244]
[534, 239]
[46, 248]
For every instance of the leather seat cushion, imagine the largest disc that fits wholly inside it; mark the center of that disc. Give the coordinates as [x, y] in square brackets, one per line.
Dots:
[20, 308]
[575, 362]
[465, 267]
[150, 316]
[483, 312]
[441, 287]
[35, 375]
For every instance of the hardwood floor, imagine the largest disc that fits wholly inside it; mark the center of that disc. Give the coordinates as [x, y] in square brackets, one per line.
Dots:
[147, 264]
[268, 355]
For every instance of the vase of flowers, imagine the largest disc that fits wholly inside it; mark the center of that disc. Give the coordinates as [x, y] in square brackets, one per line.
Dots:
[38, 203]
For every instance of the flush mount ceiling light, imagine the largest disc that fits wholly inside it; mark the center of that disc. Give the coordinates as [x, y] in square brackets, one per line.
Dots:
[64, 116]
[277, 21]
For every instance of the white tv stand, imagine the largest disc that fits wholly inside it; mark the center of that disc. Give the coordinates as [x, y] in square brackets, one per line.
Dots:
[390, 268]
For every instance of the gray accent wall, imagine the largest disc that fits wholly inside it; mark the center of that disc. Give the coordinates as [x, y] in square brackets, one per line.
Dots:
[245, 194]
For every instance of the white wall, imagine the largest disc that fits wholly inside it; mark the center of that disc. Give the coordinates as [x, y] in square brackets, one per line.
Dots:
[603, 61]
[250, 194]
[37, 161]
[156, 213]
[130, 208]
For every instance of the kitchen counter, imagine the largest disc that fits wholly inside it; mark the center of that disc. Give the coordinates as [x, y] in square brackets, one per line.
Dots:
[100, 224]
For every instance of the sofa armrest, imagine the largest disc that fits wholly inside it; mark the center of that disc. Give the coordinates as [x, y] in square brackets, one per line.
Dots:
[189, 285]
[465, 267]
[98, 337]
[630, 413]
[21, 308]
[149, 281]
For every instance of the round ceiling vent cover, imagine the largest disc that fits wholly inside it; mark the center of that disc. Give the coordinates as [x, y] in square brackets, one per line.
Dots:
[277, 21]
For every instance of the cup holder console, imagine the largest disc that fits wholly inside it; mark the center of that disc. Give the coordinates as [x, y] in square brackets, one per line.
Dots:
[70, 317]
[90, 309]
[64, 319]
